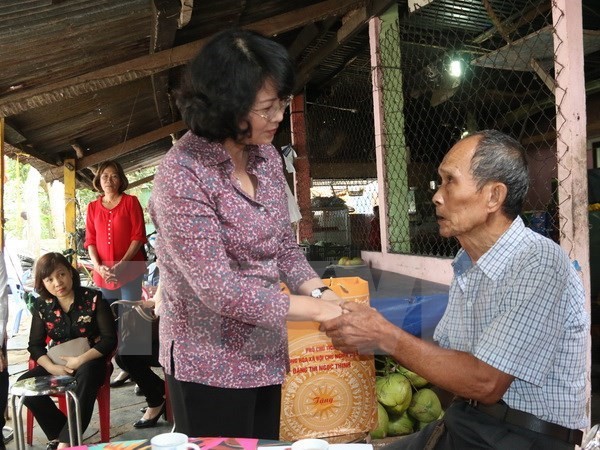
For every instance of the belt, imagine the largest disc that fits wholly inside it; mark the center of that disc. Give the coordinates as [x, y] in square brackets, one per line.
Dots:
[503, 412]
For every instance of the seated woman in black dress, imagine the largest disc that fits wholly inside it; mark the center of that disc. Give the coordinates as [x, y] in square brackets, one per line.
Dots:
[66, 311]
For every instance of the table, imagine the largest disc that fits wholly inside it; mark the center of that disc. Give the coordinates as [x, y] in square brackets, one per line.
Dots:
[217, 443]
[410, 303]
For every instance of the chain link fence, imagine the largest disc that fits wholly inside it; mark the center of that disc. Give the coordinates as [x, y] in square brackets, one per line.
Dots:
[441, 79]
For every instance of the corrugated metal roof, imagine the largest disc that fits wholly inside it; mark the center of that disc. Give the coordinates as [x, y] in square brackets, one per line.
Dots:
[96, 76]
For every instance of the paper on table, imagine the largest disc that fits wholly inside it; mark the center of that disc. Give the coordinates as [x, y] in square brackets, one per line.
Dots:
[222, 443]
[121, 445]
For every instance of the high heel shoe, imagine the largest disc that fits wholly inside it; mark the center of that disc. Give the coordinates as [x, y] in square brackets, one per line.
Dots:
[149, 423]
[118, 382]
[52, 445]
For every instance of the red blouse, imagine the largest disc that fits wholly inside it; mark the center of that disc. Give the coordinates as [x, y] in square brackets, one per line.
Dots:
[112, 231]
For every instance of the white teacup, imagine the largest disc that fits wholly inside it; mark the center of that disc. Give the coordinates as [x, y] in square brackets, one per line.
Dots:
[172, 441]
[310, 444]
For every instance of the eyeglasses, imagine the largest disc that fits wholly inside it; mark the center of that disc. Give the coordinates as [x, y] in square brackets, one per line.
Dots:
[278, 105]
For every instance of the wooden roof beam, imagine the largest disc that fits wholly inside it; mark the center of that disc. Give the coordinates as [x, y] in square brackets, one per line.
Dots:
[147, 65]
[118, 150]
[496, 21]
[515, 21]
[141, 181]
[308, 35]
[164, 27]
[353, 22]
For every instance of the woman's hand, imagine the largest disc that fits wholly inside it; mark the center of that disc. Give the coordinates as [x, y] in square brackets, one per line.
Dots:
[147, 304]
[148, 308]
[106, 273]
[72, 362]
[332, 296]
[328, 309]
[56, 369]
[157, 299]
[117, 269]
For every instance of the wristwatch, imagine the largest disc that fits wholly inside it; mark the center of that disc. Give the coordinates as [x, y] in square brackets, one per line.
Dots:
[318, 292]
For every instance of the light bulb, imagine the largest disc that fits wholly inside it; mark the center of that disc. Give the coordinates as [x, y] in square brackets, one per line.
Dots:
[455, 70]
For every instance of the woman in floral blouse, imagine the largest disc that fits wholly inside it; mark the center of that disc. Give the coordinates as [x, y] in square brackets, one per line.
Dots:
[225, 242]
[65, 310]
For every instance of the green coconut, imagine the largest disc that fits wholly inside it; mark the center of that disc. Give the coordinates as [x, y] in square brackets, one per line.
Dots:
[382, 423]
[401, 425]
[416, 380]
[394, 392]
[425, 406]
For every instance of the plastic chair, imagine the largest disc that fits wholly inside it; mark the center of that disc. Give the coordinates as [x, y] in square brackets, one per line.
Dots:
[103, 399]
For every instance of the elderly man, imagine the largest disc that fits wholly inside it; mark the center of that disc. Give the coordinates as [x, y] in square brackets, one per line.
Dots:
[511, 345]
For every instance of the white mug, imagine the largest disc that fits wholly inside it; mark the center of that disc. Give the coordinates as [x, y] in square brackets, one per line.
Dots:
[172, 441]
[310, 444]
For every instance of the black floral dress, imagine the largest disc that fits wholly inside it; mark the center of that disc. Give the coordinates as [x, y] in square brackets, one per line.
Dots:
[90, 316]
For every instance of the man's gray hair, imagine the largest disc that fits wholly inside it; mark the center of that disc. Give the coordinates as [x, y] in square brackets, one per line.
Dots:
[499, 157]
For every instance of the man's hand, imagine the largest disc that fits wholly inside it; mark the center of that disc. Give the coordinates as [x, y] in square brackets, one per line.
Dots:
[357, 330]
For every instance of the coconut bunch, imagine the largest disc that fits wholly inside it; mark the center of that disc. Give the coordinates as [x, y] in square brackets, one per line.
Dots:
[405, 401]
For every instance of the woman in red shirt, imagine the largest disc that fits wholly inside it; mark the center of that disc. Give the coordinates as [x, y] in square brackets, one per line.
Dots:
[114, 236]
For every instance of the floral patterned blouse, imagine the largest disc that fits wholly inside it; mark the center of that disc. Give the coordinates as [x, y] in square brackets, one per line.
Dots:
[222, 255]
[89, 316]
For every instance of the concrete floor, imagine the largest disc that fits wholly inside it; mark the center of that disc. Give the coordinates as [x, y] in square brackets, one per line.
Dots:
[125, 405]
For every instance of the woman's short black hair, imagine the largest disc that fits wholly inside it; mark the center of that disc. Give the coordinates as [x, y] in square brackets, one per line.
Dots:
[44, 267]
[220, 84]
[115, 165]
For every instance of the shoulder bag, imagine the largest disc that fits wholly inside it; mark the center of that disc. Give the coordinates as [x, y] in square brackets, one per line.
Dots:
[73, 347]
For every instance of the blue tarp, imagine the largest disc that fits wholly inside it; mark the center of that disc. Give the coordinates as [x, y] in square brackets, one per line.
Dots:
[417, 315]
[413, 304]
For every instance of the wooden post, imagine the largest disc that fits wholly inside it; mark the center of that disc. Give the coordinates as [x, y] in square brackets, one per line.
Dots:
[302, 175]
[571, 139]
[70, 206]
[571, 135]
[374, 29]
